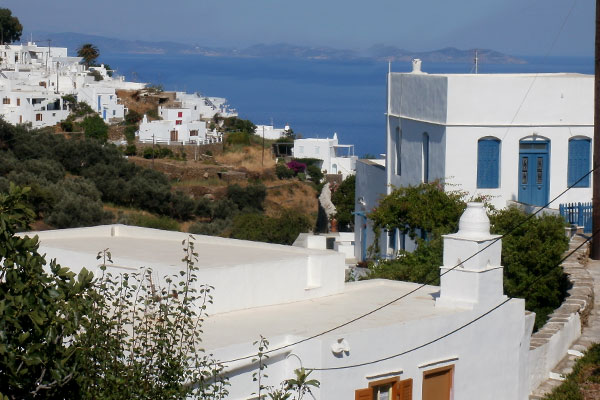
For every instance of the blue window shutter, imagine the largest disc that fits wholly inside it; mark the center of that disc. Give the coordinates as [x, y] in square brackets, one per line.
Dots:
[488, 163]
[579, 162]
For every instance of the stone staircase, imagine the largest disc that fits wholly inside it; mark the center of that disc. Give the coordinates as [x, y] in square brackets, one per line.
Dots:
[585, 277]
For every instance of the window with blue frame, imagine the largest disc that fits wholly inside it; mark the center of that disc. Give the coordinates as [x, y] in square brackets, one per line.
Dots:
[579, 162]
[488, 163]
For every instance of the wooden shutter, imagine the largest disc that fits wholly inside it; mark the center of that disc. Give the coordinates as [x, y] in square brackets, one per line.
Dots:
[403, 390]
[488, 162]
[364, 394]
[579, 162]
[174, 136]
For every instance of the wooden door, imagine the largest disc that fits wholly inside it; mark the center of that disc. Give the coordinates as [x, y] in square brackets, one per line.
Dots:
[363, 394]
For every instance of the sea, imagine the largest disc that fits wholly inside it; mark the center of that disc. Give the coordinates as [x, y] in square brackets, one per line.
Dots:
[315, 97]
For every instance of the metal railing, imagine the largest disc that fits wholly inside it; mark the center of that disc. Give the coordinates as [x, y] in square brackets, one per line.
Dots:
[579, 214]
[198, 142]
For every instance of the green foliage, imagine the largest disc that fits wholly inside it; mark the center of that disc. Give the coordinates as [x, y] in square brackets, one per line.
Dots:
[235, 124]
[249, 198]
[238, 138]
[159, 152]
[97, 75]
[414, 209]
[40, 312]
[532, 252]
[343, 199]
[95, 127]
[283, 229]
[130, 150]
[315, 173]
[78, 204]
[133, 117]
[150, 221]
[584, 378]
[89, 53]
[283, 172]
[217, 227]
[144, 339]
[10, 27]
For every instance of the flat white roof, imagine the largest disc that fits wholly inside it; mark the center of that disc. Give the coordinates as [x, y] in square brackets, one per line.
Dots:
[507, 75]
[309, 317]
[153, 246]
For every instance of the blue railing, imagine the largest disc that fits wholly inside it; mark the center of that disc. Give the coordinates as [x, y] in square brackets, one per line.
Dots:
[579, 214]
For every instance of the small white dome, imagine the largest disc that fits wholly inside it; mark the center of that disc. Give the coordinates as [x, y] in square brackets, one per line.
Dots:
[474, 221]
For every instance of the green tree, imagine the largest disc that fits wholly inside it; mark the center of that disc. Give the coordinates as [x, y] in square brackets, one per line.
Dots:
[343, 199]
[95, 127]
[40, 312]
[89, 53]
[10, 27]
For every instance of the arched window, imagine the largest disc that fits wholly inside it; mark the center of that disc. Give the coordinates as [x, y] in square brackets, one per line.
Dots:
[579, 162]
[398, 151]
[488, 163]
[425, 158]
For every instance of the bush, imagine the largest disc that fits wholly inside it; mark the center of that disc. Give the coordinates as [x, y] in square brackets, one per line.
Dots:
[532, 251]
[283, 229]
[250, 198]
[130, 150]
[296, 166]
[343, 199]
[224, 209]
[133, 117]
[283, 172]
[204, 208]
[585, 375]
[150, 221]
[218, 227]
[95, 128]
[238, 138]
[315, 173]
[130, 131]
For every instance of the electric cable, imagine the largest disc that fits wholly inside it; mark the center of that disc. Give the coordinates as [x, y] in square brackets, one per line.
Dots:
[429, 281]
[437, 339]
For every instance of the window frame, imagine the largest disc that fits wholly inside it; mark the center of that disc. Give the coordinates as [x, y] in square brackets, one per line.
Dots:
[573, 172]
[484, 181]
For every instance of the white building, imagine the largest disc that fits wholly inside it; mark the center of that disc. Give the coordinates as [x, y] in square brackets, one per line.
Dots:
[511, 137]
[296, 297]
[337, 158]
[176, 126]
[205, 108]
[270, 132]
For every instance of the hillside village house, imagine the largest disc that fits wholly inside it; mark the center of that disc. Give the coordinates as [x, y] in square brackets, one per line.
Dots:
[270, 132]
[336, 158]
[205, 108]
[33, 80]
[288, 294]
[513, 137]
[176, 126]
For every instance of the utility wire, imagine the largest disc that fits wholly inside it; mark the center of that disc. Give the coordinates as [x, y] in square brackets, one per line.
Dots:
[510, 231]
[437, 339]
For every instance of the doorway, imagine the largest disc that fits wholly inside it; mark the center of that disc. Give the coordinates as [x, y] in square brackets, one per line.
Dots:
[533, 172]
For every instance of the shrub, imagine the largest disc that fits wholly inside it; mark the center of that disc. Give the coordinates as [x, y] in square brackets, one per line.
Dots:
[343, 199]
[296, 166]
[130, 150]
[315, 173]
[283, 172]
[283, 229]
[238, 138]
[95, 128]
[133, 117]
[224, 209]
[182, 207]
[150, 221]
[204, 208]
[249, 198]
[130, 131]
[217, 227]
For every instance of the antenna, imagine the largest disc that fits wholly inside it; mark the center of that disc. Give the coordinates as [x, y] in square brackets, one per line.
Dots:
[476, 62]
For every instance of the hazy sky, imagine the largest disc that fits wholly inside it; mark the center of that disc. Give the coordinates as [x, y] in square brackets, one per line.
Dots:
[518, 27]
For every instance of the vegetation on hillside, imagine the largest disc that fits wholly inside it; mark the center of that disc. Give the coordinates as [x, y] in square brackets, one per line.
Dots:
[533, 248]
[584, 382]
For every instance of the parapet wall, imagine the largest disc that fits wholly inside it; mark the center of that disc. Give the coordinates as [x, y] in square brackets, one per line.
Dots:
[551, 343]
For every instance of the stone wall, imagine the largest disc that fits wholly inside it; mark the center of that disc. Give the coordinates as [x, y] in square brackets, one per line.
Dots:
[551, 343]
[192, 152]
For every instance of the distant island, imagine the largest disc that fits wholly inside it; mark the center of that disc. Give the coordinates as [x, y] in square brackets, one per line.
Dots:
[280, 50]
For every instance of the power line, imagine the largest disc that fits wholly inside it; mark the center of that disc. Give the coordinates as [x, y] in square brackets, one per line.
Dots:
[510, 231]
[437, 339]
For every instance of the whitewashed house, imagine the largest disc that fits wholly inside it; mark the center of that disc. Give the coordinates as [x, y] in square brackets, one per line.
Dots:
[205, 108]
[512, 137]
[270, 132]
[336, 158]
[176, 126]
[431, 341]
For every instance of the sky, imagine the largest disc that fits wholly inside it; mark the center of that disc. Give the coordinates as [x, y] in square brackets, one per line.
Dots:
[516, 27]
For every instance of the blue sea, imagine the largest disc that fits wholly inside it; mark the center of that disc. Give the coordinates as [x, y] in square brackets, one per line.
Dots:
[317, 98]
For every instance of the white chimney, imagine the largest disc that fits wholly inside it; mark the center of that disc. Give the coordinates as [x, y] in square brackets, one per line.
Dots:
[477, 281]
[416, 64]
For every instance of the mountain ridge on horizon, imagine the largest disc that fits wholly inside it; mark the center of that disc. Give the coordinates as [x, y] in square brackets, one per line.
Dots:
[377, 52]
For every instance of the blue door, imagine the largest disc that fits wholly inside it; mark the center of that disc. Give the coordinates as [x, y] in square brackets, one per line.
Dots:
[104, 114]
[533, 173]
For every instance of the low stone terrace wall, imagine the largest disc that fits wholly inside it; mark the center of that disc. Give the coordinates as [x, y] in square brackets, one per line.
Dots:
[551, 343]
